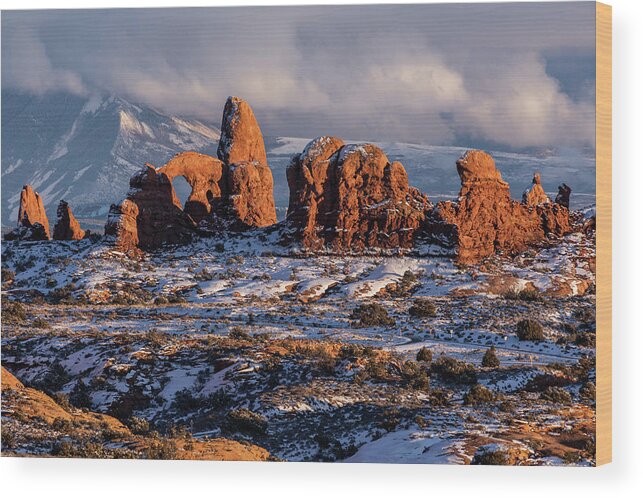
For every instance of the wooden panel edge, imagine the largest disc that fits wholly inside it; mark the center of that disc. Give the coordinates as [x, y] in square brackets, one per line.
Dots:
[603, 233]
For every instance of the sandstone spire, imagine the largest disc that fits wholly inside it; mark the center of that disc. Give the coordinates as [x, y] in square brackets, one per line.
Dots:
[67, 226]
[32, 215]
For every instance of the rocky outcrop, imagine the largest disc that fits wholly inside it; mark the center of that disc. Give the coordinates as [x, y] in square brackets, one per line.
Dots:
[564, 192]
[233, 192]
[151, 216]
[32, 218]
[67, 226]
[350, 198]
[241, 139]
[485, 219]
[535, 195]
[121, 228]
[205, 175]
[249, 201]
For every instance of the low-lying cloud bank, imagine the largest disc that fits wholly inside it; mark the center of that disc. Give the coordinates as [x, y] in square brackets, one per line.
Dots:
[521, 75]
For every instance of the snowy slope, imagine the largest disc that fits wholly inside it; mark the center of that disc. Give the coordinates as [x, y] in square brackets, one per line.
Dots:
[85, 150]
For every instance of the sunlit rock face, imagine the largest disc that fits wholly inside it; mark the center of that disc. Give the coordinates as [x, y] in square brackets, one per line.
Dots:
[350, 198]
[485, 219]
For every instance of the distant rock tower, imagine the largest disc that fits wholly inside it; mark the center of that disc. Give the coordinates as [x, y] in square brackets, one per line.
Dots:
[32, 218]
[67, 226]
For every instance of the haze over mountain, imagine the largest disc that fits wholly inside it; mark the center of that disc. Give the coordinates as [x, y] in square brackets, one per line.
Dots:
[85, 149]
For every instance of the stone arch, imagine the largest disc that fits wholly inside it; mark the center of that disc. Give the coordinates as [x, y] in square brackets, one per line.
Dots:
[204, 174]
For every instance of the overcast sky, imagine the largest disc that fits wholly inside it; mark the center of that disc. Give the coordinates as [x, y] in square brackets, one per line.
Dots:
[519, 75]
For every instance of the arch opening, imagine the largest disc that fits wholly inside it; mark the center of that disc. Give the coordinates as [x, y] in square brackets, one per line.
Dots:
[182, 189]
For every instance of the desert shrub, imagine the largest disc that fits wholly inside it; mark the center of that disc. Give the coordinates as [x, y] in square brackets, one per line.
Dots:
[585, 339]
[414, 376]
[586, 316]
[138, 425]
[157, 339]
[556, 395]
[491, 454]
[9, 439]
[13, 312]
[371, 315]
[542, 381]
[406, 284]
[390, 419]
[53, 380]
[123, 407]
[40, 323]
[131, 293]
[524, 295]
[62, 425]
[175, 298]
[239, 334]
[160, 449]
[529, 330]
[63, 400]
[185, 401]
[422, 307]
[246, 421]
[80, 395]
[62, 295]
[478, 394]
[326, 364]
[583, 367]
[588, 391]
[81, 449]
[440, 397]
[424, 354]
[490, 359]
[453, 370]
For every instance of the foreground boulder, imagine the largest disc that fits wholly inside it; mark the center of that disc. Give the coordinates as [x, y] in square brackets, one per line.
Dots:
[32, 218]
[150, 216]
[67, 226]
[485, 219]
[350, 198]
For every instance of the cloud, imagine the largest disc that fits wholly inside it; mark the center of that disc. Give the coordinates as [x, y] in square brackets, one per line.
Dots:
[25, 65]
[424, 73]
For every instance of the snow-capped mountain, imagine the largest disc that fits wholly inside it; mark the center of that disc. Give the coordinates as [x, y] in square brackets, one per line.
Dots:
[84, 150]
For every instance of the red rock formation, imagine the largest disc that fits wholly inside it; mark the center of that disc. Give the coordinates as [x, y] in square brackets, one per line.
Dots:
[157, 212]
[564, 192]
[351, 199]
[204, 174]
[535, 195]
[250, 201]
[67, 226]
[485, 219]
[122, 227]
[241, 138]
[233, 192]
[32, 218]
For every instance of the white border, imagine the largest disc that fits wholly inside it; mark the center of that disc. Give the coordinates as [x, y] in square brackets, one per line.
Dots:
[52, 478]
